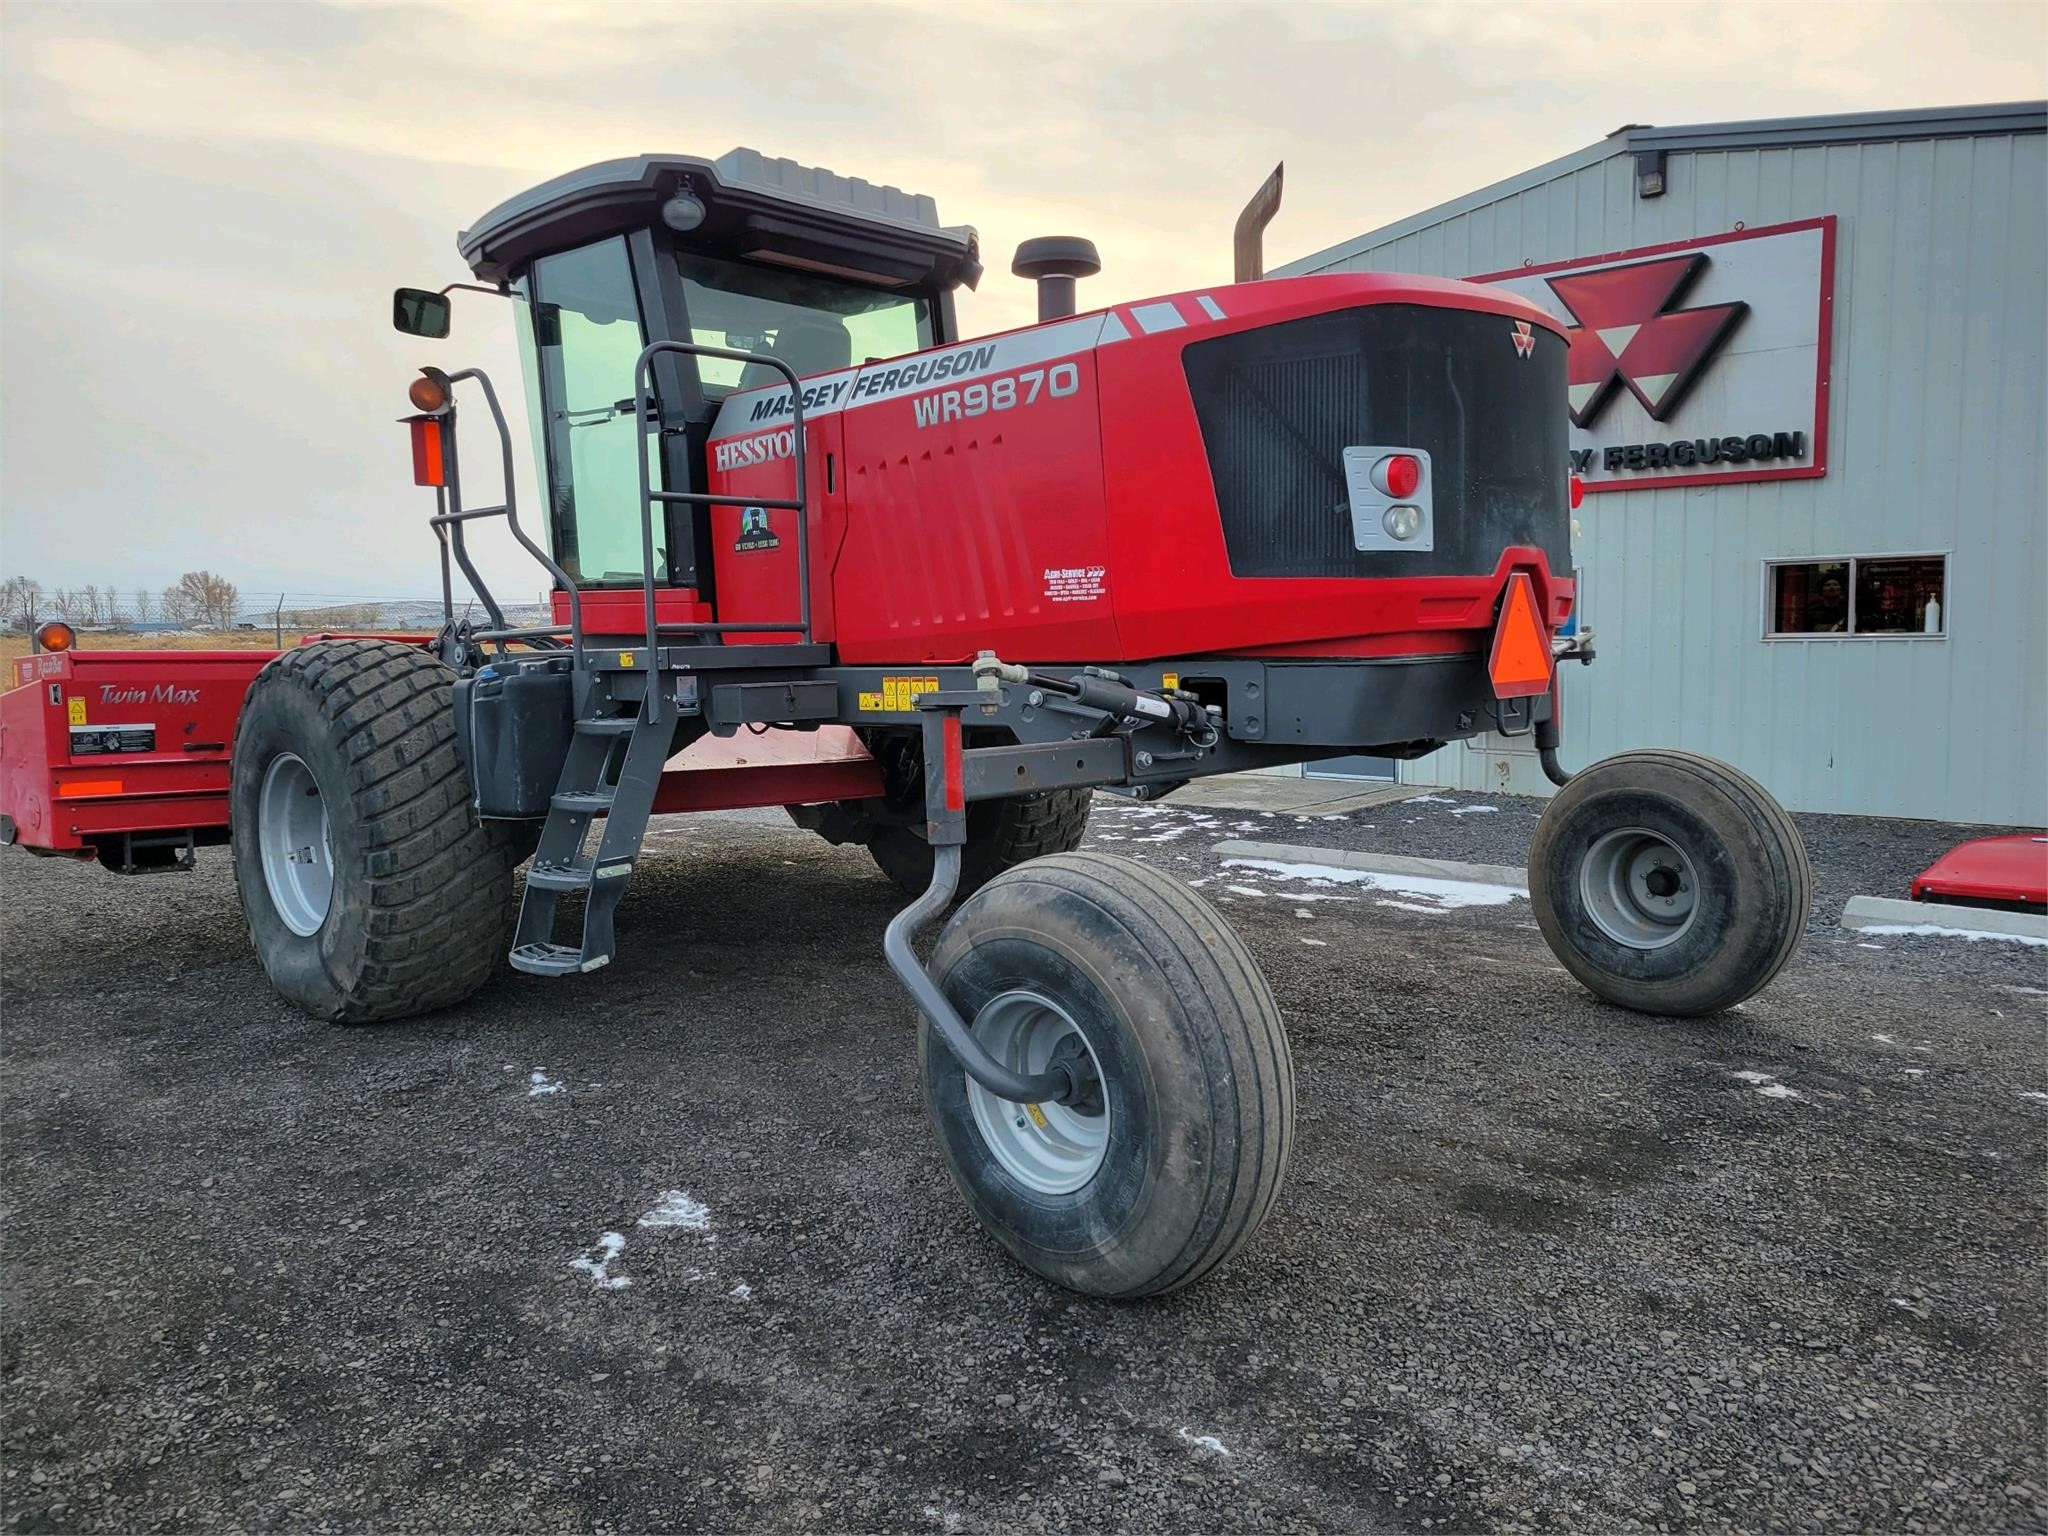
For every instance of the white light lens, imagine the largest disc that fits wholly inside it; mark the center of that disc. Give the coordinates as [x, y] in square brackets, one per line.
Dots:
[1402, 522]
[682, 213]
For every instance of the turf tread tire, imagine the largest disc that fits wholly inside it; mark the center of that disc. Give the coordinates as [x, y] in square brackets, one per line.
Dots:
[421, 914]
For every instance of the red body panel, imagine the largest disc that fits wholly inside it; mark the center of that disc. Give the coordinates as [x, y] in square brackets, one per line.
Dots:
[1078, 521]
[61, 799]
[2011, 870]
[616, 611]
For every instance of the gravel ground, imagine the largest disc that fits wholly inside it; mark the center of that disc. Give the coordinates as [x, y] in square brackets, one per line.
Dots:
[1540, 1263]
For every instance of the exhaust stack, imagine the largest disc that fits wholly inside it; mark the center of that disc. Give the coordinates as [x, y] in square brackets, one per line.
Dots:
[1054, 262]
[1248, 242]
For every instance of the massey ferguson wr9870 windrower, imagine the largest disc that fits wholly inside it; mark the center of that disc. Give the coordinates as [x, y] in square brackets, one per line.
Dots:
[950, 588]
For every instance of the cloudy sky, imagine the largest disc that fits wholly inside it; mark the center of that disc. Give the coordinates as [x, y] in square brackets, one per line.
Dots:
[204, 208]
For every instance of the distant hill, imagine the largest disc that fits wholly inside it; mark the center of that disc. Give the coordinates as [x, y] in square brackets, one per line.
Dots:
[414, 614]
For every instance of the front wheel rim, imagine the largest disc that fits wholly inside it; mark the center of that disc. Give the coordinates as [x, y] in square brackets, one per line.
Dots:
[293, 839]
[1049, 1148]
[1639, 888]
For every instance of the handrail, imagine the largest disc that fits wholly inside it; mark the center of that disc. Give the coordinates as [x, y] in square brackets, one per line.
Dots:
[455, 516]
[651, 498]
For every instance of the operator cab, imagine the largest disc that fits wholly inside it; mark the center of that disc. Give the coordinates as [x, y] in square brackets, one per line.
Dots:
[745, 253]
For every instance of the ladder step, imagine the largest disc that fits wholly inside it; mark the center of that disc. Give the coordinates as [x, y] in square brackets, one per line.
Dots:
[576, 876]
[582, 801]
[608, 725]
[553, 960]
[560, 877]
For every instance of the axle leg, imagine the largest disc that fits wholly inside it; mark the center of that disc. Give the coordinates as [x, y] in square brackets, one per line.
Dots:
[946, 822]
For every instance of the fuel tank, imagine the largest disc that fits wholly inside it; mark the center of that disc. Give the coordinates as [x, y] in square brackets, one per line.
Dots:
[1188, 475]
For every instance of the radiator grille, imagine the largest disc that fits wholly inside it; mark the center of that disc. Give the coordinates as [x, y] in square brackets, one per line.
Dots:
[1278, 405]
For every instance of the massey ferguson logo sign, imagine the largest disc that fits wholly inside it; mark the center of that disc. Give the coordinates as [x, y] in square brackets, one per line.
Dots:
[1630, 332]
[1695, 363]
[1524, 338]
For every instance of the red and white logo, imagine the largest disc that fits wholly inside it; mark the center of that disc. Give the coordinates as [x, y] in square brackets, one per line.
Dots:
[1631, 331]
[1524, 338]
[1702, 362]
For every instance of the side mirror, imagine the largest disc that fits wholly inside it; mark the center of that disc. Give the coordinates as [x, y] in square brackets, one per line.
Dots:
[420, 312]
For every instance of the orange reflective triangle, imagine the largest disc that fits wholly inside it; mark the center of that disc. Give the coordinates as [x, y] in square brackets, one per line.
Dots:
[1520, 663]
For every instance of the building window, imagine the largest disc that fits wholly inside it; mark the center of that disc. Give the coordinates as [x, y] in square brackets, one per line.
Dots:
[1899, 595]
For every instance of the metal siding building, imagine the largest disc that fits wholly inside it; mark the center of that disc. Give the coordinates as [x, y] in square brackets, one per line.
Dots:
[1935, 412]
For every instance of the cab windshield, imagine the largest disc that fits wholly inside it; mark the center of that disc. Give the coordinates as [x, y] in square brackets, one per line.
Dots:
[815, 324]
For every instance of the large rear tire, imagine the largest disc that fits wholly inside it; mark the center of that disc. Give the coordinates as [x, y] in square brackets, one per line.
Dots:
[1669, 883]
[1001, 834]
[371, 890]
[1169, 1163]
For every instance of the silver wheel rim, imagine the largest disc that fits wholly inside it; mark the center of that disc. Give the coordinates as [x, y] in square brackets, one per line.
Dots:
[1639, 888]
[292, 835]
[1046, 1147]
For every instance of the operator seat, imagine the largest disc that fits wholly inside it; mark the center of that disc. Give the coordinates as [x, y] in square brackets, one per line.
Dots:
[809, 344]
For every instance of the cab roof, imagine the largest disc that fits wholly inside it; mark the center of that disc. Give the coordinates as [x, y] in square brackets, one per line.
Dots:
[755, 208]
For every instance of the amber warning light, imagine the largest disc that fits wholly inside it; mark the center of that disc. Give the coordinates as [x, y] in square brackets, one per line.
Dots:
[1520, 662]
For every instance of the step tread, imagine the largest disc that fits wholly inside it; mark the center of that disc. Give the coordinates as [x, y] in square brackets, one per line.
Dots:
[582, 799]
[553, 960]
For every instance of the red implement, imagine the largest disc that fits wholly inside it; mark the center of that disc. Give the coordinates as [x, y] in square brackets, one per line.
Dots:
[1990, 871]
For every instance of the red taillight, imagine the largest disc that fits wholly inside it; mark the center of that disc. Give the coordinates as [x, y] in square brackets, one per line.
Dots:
[428, 466]
[1578, 492]
[1398, 475]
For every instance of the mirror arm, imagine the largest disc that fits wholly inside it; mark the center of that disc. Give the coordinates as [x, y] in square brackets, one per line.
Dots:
[498, 292]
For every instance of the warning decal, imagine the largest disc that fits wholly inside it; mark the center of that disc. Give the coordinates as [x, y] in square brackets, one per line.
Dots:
[898, 693]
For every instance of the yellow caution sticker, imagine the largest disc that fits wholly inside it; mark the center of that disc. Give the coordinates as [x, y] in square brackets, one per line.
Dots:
[1169, 680]
[625, 658]
[900, 693]
[76, 708]
[1037, 1117]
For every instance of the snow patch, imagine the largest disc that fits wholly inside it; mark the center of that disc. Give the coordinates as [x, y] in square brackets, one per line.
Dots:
[741, 1292]
[607, 1249]
[1243, 890]
[1884, 1039]
[676, 1209]
[1870, 946]
[1767, 1084]
[2030, 1094]
[540, 1083]
[1431, 800]
[1446, 895]
[1412, 906]
[1475, 810]
[1207, 1443]
[1938, 931]
[1318, 943]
